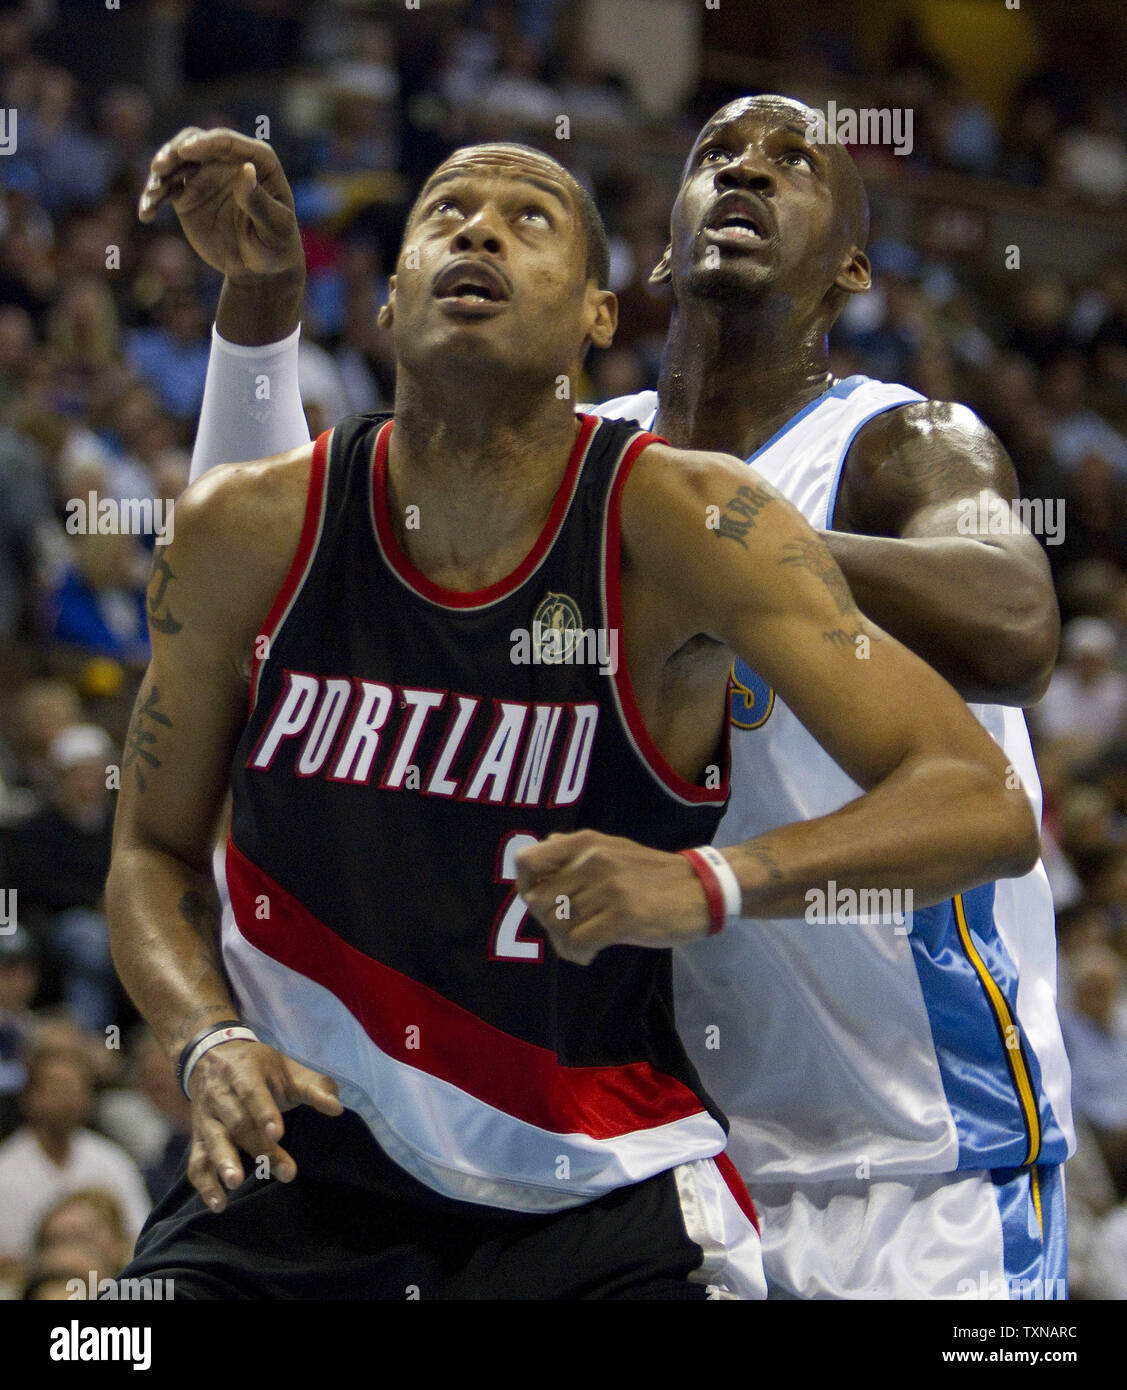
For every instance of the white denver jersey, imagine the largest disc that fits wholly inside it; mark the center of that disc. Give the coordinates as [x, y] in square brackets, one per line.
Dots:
[855, 1049]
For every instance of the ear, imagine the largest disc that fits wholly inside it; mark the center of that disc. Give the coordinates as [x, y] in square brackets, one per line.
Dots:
[661, 273]
[386, 316]
[855, 275]
[603, 311]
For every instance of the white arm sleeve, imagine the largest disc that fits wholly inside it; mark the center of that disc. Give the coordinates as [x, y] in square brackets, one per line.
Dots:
[251, 403]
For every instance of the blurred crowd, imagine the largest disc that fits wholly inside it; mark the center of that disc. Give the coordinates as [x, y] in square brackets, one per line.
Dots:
[104, 338]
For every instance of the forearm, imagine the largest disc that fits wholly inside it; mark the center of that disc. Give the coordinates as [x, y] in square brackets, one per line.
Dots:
[252, 400]
[971, 610]
[933, 828]
[163, 919]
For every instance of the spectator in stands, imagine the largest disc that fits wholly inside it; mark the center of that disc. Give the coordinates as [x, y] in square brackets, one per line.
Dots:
[1097, 1049]
[172, 356]
[1086, 702]
[60, 858]
[98, 603]
[150, 1117]
[1079, 430]
[53, 1154]
[93, 1220]
[19, 979]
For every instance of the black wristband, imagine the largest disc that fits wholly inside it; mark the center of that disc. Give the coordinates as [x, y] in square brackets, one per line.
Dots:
[192, 1043]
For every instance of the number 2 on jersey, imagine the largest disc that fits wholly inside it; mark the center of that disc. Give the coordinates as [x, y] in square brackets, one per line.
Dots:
[506, 942]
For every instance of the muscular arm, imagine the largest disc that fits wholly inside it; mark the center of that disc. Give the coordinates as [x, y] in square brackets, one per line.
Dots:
[942, 811]
[236, 532]
[979, 608]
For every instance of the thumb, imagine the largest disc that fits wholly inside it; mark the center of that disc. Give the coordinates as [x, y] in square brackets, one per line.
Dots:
[537, 861]
[312, 1088]
[271, 219]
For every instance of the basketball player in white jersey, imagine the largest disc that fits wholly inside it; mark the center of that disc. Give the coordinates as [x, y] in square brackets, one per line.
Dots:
[897, 1085]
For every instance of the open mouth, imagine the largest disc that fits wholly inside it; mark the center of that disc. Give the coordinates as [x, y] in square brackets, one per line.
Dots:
[471, 282]
[738, 216]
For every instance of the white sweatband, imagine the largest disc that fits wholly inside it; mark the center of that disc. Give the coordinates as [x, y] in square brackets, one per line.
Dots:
[251, 403]
[729, 883]
[221, 1035]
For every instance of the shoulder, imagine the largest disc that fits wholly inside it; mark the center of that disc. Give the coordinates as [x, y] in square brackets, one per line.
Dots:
[915, 424]
[923, 454]
[241, 521]
[239, 501]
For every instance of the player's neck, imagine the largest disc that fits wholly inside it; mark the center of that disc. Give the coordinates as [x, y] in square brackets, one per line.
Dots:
[483, 467]
[729, 382]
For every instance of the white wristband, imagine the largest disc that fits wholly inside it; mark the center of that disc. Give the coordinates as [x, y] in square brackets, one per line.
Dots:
[221, 1035]
[729, 883]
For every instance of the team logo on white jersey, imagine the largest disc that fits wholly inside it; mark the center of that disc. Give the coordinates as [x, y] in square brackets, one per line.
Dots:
[752, 699]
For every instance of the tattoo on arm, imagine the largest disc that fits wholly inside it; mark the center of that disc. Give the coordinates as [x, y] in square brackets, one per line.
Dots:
[811, 554]
[202, 916]
[161, 577]
[739, 514]
[841, 638]
[763, 856]
[141, 737]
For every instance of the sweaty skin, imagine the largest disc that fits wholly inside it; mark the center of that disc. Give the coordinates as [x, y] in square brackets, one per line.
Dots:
[482, 434]
[748, 348]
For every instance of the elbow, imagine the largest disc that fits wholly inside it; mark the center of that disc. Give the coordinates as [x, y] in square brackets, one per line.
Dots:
[1016, 661]
[1020, 835]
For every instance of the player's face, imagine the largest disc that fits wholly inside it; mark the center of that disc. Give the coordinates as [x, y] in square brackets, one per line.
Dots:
[756, 207]
[493, 270]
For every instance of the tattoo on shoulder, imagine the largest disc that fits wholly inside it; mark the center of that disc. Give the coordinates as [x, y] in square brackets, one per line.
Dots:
[812, 555]
[141, 737]
[740, 512]
[157, 596]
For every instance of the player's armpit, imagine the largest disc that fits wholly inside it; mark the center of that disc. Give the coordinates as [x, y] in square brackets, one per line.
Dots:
[944, 811]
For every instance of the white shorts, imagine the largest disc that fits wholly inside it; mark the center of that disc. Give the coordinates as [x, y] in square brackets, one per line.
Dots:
[961, 1235]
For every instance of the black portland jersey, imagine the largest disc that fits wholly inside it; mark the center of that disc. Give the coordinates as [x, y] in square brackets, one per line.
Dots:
[404, 743]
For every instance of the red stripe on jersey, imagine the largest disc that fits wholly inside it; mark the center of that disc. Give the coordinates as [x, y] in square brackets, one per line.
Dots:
[668, 776]
[519, 1078]
[474, 598]
[736, 1187]
[314, 503]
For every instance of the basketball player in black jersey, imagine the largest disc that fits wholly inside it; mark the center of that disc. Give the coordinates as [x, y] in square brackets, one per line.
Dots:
[362, 907]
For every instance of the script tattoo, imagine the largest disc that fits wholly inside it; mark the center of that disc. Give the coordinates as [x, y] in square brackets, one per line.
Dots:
[812, 555]
[140, 738]
[762, 855]
[840, 638]
[741, 511]
[161, 577]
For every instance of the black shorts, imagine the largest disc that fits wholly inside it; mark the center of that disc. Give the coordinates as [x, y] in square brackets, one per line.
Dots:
[325, 1237]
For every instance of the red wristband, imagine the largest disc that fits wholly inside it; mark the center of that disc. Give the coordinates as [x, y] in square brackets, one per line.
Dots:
[713, 892]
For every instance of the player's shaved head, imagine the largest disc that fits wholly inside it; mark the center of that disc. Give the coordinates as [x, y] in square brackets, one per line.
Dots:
[851, 202]
[538, 168]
